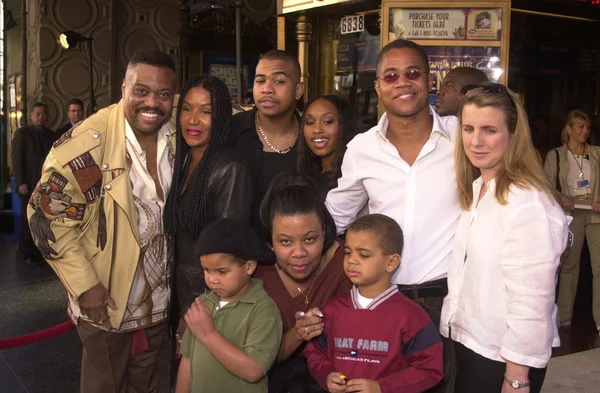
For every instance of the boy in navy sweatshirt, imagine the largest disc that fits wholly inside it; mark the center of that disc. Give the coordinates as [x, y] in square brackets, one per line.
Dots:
[375, 339]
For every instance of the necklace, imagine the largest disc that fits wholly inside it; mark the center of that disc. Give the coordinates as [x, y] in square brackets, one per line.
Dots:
[575, 158]
[276, 150]
[309, 289]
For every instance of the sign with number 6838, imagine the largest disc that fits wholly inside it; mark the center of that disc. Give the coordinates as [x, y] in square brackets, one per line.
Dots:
[352, 24]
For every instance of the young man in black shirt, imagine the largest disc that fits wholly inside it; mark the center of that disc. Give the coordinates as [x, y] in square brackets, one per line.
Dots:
[265, 137]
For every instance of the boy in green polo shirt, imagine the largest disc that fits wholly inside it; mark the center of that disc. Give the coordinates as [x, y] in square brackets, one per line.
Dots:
[234, 331]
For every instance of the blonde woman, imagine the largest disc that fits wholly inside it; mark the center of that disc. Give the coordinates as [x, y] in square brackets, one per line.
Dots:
[573, 169]
[500, 309]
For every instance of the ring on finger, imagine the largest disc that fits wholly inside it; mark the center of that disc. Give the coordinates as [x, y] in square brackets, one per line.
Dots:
[305, 331]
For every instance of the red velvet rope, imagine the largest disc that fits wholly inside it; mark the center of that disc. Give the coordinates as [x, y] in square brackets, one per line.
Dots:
[36, 336]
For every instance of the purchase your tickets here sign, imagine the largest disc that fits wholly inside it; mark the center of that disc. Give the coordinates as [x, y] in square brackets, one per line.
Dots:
[445, 24]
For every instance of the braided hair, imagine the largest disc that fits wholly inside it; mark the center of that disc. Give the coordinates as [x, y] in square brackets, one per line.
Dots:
[312, 165]
[193, 208]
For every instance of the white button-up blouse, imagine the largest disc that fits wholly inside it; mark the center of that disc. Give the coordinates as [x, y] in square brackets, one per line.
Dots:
[502, 277]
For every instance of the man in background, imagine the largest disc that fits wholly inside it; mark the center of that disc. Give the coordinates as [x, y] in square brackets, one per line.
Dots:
[30, 146]
[74, 113]
[449, 95]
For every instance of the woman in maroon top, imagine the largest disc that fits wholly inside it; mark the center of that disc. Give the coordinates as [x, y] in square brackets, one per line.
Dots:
[309, 271]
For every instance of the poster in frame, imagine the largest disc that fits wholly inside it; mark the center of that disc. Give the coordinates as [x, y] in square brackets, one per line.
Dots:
[453, 33]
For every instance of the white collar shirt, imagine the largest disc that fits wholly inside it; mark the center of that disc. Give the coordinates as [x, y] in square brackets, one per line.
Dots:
[422, 197]
[501, 280]
[149, 298]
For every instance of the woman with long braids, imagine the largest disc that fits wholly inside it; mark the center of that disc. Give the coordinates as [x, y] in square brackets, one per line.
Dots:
[328, 124]
[209, 182]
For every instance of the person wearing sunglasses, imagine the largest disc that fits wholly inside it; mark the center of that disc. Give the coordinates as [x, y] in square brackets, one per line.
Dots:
[403, 168]
[500, 310]
[449, 95]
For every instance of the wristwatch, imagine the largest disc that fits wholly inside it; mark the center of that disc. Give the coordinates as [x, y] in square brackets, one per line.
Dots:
[516, 384]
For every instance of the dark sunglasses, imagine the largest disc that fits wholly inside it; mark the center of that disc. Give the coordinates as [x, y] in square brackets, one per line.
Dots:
[491, 88]
[392, 77]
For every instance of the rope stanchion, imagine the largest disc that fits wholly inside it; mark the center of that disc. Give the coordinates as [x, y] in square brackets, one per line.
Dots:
[36, 336]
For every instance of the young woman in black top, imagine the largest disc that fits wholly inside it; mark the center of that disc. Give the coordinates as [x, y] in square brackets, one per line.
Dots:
[328, 124]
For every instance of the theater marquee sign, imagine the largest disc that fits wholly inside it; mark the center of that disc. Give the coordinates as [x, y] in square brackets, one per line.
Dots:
[287, 6]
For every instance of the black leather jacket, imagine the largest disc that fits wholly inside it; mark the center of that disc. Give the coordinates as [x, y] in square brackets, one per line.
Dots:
[230, 195]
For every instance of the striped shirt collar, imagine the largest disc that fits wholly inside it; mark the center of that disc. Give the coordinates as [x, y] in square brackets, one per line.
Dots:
[391, 291]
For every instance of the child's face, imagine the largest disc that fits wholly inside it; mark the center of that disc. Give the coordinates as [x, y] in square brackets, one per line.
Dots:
[224, 275]
[365, 264]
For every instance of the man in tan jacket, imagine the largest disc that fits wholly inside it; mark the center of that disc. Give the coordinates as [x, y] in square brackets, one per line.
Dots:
[96, 216]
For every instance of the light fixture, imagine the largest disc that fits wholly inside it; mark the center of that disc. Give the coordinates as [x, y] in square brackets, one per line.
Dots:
[496, 71]
[70, 39]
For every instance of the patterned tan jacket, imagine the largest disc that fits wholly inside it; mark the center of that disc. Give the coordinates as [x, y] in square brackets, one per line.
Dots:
[82, 213]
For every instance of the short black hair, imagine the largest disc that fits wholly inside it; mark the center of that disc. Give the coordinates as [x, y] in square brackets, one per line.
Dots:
[402, 44]
[469, 75]
[386, 229]
[153, 57]
[74, 101]
[276, 54]
[292, 194]
[39, 104]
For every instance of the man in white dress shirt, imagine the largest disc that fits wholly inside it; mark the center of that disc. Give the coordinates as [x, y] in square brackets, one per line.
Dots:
[404, 168]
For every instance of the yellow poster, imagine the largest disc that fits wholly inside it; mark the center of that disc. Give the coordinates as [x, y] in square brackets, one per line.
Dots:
[484, 24]
[457, 24]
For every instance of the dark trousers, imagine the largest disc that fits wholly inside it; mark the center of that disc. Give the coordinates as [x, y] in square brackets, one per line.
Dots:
[107, 365]
[292, 376]
[430, 296]
[26, 244]
[477, 374]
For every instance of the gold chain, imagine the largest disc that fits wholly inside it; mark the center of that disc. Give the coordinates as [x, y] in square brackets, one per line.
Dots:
[309, 289]
[276, 150]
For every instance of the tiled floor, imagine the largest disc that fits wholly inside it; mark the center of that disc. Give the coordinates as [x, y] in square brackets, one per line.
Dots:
[32, 298]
